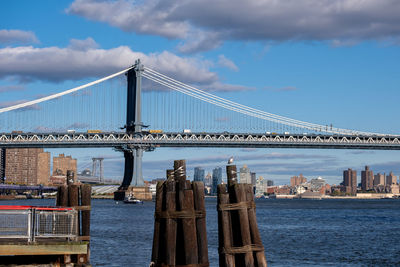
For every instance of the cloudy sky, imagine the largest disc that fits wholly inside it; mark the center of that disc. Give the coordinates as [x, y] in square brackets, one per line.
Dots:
[323, 61]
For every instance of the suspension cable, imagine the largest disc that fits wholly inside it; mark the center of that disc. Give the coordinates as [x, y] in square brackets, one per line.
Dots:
[30, 103]
[210, 98]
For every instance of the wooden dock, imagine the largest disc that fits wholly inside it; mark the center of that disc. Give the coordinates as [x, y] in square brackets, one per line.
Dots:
[48, 236]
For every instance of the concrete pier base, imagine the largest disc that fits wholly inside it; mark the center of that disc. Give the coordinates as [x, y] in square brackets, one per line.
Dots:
[142, 193]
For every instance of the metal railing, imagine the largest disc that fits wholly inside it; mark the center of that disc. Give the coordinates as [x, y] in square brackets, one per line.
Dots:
[31, 223]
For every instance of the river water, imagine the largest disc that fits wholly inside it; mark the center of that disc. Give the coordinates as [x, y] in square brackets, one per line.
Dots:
[294, 232]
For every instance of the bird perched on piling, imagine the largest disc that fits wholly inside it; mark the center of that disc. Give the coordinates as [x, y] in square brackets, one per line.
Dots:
[230, 161]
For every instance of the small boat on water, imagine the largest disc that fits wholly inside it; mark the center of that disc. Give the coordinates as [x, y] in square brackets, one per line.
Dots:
[130, 199]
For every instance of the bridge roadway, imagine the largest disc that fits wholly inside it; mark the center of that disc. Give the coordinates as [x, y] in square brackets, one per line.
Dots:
[175, 139]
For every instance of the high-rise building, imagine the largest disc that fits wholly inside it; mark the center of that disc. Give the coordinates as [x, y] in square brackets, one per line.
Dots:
[391, 179]
[2, 164]
[30, 166]
[270, 183]
[367, 179]
[350, 181]
[253, 178]
[216, 179]
[261, 186]
[62, 164]
[199, 174]
[297, 180]
[244, 175]
[208, 180]
[379, 179]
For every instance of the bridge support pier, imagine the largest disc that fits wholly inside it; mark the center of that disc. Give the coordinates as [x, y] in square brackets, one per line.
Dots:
[133, 155]
[132, 171]
[137, 170]
[128, 173]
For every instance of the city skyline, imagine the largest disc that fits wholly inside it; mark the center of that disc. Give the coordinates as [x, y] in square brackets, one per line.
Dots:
[323, 76]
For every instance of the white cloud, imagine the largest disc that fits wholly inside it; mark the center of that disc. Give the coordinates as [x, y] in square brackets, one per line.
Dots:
[341, 22]
[83, 45]
[17, 36]
[227, 63]
[81, 59]
[147, 18]
[199, 41]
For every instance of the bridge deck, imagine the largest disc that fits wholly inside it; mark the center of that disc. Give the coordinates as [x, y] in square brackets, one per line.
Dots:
[175, 139]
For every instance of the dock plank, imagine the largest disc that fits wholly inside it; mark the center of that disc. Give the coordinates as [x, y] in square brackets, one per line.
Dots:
[43, 249]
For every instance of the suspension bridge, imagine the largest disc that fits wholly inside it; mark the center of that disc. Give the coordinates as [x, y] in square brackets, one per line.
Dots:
[139, 109]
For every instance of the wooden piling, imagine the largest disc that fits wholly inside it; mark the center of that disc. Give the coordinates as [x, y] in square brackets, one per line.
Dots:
[199, 205]
[224, 229]
[180, 236]
[240, 195]
[170, 174]
[239, 239]
[86, 197]
[157, 223]
[73, 195]
[231, 174]
[62, 196]
[254, 232]
[171, 225]
[183, 228]
[180, 170]
[189, 229]
[73, 199]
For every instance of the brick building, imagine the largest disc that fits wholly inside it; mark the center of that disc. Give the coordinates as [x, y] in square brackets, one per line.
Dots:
[379, 179]
[391, 179]
[350, 181]
[63, 163]
[30, 166]
[367, 179]
[297, 180]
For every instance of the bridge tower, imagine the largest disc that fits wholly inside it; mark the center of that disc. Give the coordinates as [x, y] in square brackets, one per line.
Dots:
[133, 154]
[101, 168]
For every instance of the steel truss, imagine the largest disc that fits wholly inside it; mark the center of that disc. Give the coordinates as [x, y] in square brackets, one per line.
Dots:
[149, 141]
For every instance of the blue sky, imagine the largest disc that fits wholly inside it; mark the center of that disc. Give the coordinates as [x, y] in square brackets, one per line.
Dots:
[325, 62]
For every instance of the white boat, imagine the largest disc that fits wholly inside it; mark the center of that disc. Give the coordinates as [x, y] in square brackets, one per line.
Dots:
[130, 199]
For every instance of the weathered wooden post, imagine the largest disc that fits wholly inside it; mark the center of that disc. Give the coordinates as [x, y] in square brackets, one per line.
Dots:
[255, 234]
[189, 228]
[239, 237]
[240, 196]
[224, 228]
[184, 242]
[155, 256]
[199, 205]
[62, 196]
[73, 200]
[86, 197]
[231, 173]
[171, 225]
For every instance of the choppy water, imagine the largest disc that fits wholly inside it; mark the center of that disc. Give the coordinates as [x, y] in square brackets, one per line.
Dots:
[294, 232]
